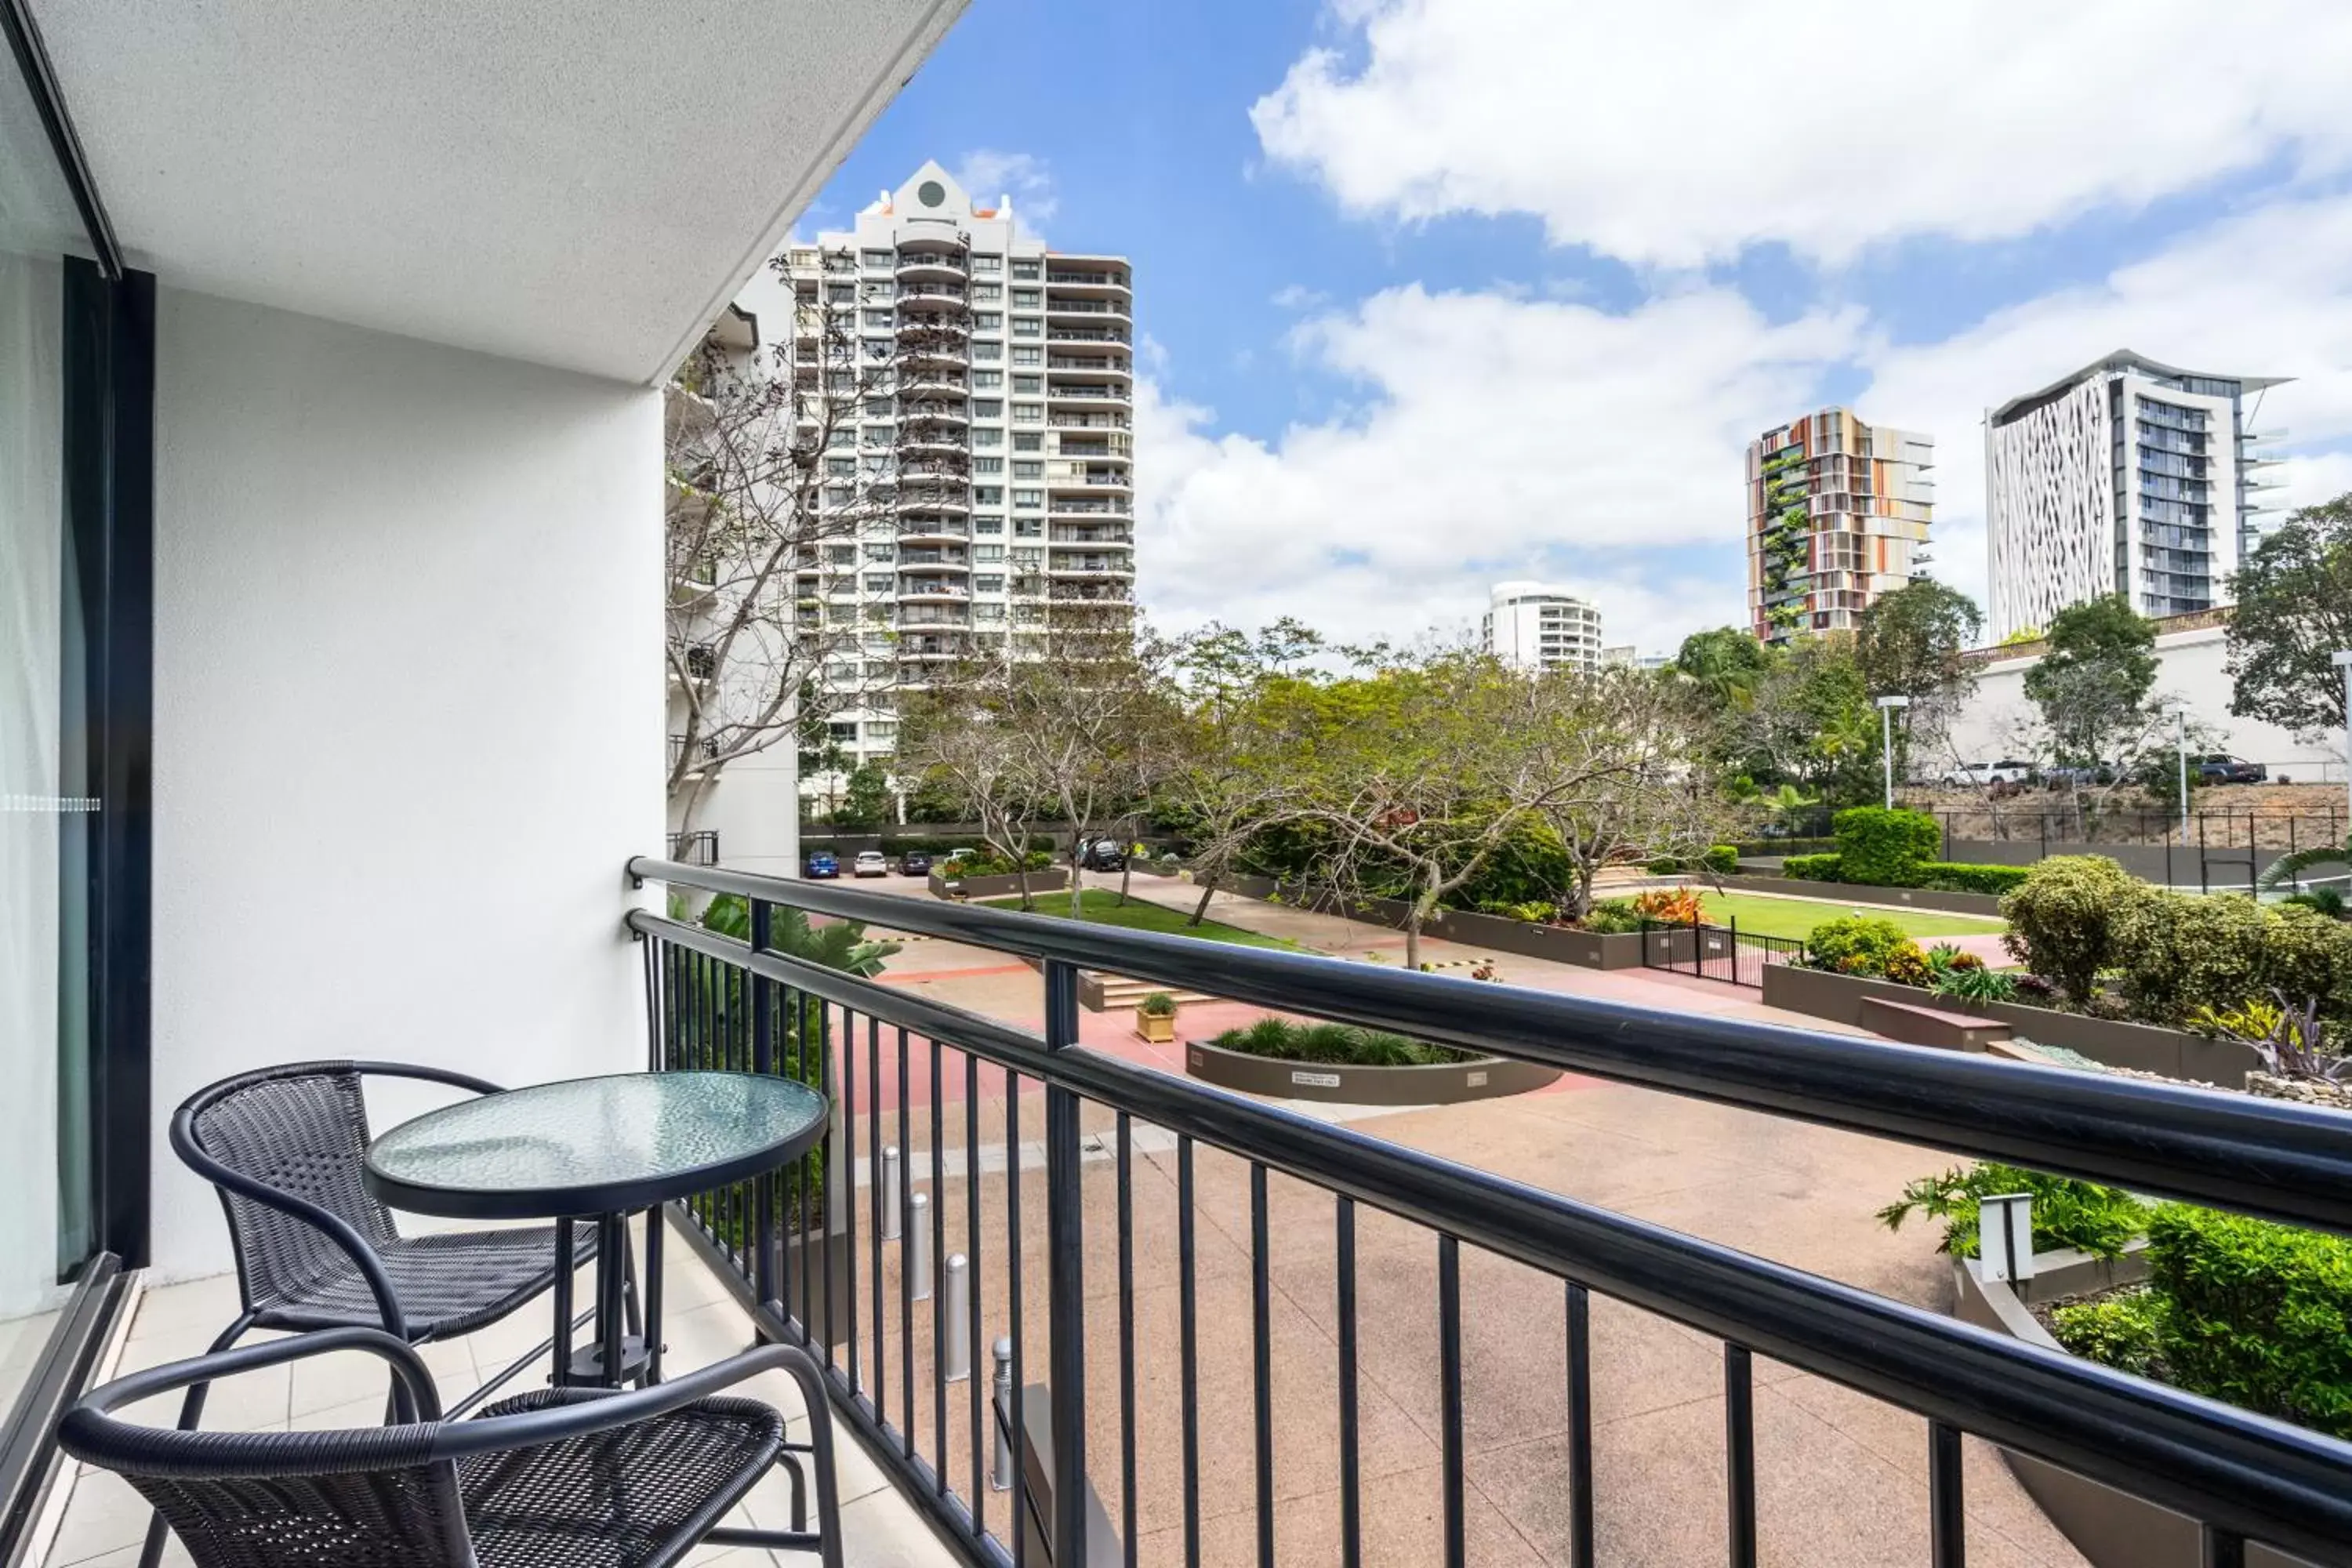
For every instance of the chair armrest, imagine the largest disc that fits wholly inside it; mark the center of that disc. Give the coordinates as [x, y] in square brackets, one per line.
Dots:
[552, 1424]
[428, 1074]
[407, 1367]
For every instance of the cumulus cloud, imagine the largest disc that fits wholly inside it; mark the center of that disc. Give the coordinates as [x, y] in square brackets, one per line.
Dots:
[1493, 435]
[988, 174]
[1683, 131]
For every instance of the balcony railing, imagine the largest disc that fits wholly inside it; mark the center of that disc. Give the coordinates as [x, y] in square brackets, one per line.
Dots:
[1107, 392]
[1079, 534]
[871, 1285]
[1102, 421]
[1065, 507]
[1097, 363]
[1083, 307]
[1086, 335]
[1102, 279]
[697, 848]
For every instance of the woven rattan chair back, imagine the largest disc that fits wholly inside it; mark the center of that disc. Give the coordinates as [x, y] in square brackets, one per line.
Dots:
[303, 1134]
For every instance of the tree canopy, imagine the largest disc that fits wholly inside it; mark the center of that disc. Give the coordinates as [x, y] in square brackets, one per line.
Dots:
[2294, 610]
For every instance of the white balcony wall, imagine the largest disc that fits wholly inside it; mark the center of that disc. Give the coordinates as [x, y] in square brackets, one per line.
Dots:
[408, 698]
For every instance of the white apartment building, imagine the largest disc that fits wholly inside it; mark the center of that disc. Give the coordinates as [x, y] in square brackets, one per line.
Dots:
[2126, 476]
[1530, 627]
[1837, 514]
[993, 460]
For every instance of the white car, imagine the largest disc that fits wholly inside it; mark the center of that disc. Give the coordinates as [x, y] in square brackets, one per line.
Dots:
[869, 863]
[2011, 772]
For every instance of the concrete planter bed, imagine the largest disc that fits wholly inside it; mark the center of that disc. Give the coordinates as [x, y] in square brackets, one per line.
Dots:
[2112, 1529]
[1053, 880]
[2143, 1048]
[1493, 933]
[1863, 893]
[1449, 1084]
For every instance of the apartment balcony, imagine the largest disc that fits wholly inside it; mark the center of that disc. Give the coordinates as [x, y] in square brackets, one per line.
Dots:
[940, 325]
[934, 528]
[1063, 565]
[1080, 533]
[927, 289]
[945, 264]
[912, 589]
[1070, 506]
[1111, 279]
[1075, 592]
[1064, 306]
[933, 350]
[1117, 336]
[1093, 366]
[917, 558]
[1061, 392]
[922, 616]
[923, 402]
[931, 498]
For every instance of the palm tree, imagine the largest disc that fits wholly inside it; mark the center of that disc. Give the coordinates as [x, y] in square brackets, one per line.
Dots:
[2292, 868]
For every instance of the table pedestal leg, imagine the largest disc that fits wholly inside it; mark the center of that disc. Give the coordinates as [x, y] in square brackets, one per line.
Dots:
[614, 1355]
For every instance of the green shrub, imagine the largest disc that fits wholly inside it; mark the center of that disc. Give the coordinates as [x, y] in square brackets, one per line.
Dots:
[2257, 1314]
[1958, 876]
[2066, 1213]
[1157, 1004]
[1974, 984]
[1908, 965]
[1612, 916]
[1857, 944]
[1536, 912]
[1723, 859]
[988, 863]
[2181, 952]
[2125, 1330]
[1280, 1039]
[2308, 953]
[1813, 867]
[1886, 848]
[2065, 919]
[1663, 866]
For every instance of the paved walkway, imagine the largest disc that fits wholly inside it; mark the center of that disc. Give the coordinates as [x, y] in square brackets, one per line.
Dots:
[1841, 1478]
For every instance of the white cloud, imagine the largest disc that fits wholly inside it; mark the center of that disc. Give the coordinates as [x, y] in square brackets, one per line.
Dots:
[988, 174]
[1681, 130]
[1497, 437]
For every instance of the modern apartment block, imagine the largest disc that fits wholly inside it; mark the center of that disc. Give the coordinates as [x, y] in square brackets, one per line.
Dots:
[2126, 476]
[1837, 514]
[1530, 627]
[991, 463]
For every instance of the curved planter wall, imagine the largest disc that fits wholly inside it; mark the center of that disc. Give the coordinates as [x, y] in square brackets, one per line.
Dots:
[1053, 880]
[1447, 1085]
[2112, 1529]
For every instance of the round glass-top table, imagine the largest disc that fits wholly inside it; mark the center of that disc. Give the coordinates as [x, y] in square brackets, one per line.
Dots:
[598, 1148]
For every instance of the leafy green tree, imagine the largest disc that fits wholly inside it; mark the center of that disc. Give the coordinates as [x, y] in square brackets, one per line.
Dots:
[1726, 663]
[1909, 644]
[1809, 721]
[2294, 610]
[865, 800]
[2092, 688]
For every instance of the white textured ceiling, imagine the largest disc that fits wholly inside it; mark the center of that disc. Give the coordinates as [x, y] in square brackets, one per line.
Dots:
[578, 183]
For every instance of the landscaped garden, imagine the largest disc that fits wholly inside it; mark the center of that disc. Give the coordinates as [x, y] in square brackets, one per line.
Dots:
[1101, 906]
[1768, 914]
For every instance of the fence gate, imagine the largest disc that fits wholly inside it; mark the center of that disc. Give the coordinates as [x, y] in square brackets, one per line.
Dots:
[1723, 953]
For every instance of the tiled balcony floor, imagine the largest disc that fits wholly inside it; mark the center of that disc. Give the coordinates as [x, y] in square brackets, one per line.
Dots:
[104, 1520]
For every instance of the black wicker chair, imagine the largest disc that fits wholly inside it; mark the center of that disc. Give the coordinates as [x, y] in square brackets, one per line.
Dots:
[555, 1478]
[284, 1146]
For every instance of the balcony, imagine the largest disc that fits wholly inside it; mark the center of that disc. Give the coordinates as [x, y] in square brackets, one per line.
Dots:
[1097, 367]
[1062, 305]
[1074, 393]
[1066, 420]
[924, 615]
[1078, 533]
[931, 498]
[945, 264]
[1106, 279]
[1068, 506]
[912, 558]
[1061, 334]
[926, 289]
[934, 528]
[1090, 566]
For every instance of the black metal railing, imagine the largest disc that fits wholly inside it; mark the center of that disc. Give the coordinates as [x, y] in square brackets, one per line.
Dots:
[839, 1271]
[1715, 952]
[699, 847]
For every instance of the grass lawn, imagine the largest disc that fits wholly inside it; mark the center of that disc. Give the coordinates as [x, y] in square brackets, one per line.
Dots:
[1101, 907]
[1798, 917]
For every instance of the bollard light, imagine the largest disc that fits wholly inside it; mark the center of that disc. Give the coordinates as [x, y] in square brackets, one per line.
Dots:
[1000, 1470]
[956, 1361]
[919, 1248]
[890, 1192]
[2005, 1237]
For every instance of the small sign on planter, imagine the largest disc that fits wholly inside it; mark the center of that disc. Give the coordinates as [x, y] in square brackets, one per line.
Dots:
[2005, 1237]
[1315, 1079]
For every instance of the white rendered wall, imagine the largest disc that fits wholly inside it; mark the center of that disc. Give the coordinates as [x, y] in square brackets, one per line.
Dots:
[2192, 669]
[408, 703]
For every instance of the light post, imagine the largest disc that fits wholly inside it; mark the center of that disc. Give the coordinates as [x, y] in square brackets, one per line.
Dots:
[2343, 661]
[1887, 707]
[2180, 748]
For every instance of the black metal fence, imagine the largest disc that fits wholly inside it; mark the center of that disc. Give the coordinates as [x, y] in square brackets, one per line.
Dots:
[1715, 952]
[896, 1281]
[697, 848]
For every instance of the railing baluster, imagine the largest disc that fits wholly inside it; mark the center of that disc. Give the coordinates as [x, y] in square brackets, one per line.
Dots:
[2219, 1548]
[906, 1254]
[1262, 1365]
[763, 1061]
[1739, 1451]
[1449, 1398]
[1065, 1299]
[942, 1303]
[1016, 1433]
[979, 1493]
[1188, 1350]
[1946, 1512]
[1351, 1498]
[847, 1171]
[1580, 1427]
[877, 1195]
[1127, 1484]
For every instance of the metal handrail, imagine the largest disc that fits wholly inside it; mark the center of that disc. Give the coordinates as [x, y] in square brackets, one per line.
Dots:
[2235, 1470]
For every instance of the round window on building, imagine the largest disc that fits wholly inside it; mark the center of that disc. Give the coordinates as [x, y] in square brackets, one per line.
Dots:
[930, 193]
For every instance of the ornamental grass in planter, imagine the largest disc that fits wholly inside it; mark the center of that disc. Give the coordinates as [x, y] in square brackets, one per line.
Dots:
[1155, 1019]
[1344, 1045]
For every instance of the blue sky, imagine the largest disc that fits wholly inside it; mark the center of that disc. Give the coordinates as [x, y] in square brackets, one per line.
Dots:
[1443, 292]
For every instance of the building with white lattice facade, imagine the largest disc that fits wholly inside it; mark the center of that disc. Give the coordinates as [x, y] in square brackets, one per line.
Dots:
[2126, 476]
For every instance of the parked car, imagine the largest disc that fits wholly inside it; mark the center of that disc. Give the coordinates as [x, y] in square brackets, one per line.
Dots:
[2222, 768]
[2011, 772]
[2078, 778]
[1104, 854]
[916, 863]
[869, 863]
[820, 864]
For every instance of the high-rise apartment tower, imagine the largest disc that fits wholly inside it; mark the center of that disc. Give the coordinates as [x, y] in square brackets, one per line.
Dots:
[1837, 514]
[2126, 476]
[1530, 627]
[991, 460]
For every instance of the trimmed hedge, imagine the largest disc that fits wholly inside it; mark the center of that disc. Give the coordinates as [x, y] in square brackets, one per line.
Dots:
[1723, 859]
[2181, 952]
[2258, 1314]
[2067, 918]
[1886, 848]
[1962, 877]
[1813, 867]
